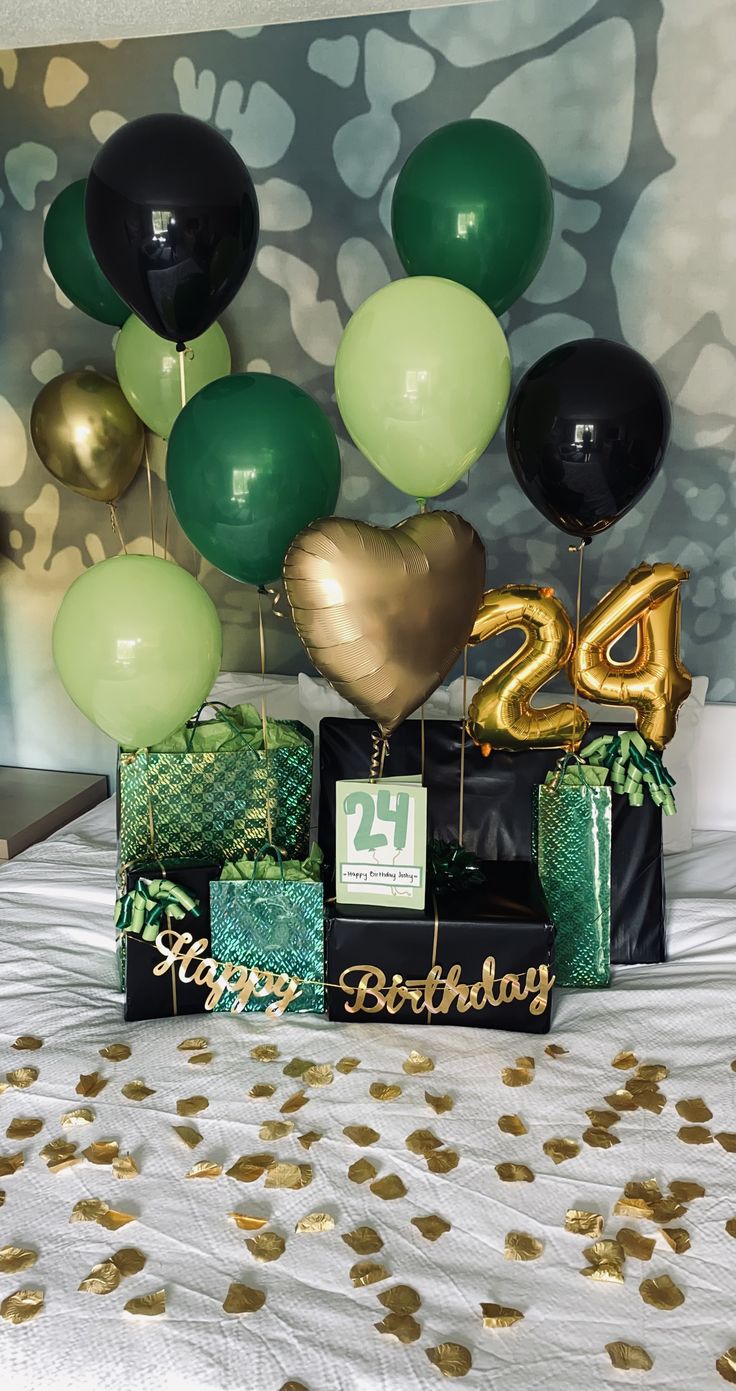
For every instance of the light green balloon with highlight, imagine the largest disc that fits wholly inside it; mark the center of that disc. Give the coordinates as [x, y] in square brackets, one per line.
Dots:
[149, 371]
[422, 377]
[137, 643]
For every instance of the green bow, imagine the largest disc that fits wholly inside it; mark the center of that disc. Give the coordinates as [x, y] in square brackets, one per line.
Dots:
[633, 767]
[143, 909]
[451, 867]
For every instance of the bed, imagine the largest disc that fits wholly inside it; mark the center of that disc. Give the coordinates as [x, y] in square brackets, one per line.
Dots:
[316, 1328]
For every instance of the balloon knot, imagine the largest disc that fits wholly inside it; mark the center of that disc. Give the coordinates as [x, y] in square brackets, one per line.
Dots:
[181, 347]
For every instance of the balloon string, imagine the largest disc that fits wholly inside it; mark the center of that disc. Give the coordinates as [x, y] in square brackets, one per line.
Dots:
[116, 528]
[463, 736]
[379, 754]
[264, 722]
[150, 495]
[421, 738]
[578, 607]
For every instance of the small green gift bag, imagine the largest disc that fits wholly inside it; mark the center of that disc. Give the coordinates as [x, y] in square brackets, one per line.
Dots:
[269, 916]
[571, 829]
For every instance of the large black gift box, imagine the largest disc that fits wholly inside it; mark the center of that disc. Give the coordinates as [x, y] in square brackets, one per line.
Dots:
[157, 997]
[498, 812]
[500, 925]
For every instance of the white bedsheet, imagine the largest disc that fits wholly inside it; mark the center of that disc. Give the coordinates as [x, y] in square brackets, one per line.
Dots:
[57, 980]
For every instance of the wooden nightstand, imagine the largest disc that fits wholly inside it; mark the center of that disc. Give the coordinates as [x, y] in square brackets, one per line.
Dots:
[35, 802]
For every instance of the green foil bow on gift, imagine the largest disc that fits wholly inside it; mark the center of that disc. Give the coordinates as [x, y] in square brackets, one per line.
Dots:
[451, 868]
[631, 766]
[145, 908]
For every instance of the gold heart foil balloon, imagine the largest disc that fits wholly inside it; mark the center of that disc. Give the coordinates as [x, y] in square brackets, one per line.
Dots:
[384, 613]
[87, 435]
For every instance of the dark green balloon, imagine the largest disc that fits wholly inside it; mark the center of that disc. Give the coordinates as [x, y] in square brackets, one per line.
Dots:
[473, 203]
[71, 259]
[252, 460]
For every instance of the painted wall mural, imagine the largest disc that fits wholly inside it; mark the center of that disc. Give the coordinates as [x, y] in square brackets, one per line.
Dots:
[630, 107]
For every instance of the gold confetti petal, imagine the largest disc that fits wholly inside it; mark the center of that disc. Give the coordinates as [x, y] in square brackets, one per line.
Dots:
[499, 1316]
[243, 1299]
[361, 1134]
[83, 1115]
[364, 1241]
[368, 1273]
[634, 1207]
[422, 1142]
[297, 1067]
[599, 1138]
[24, 1128]
[320, 1075]
[115, 1052]
[134, 1091]
[102, 1279]
[528, 1064]
[10, 1164]
[294, 1103]
[555, 1050]
[101, 1151]
[402, 1326]
[442, 1161]
[727, 1141]
[667, 1210]
[661, 1293]
[27, 1043]
[267, 1246]
[361, 1170]
[731, 1226]
[191, 1105]
[625, 1061]
[193, 1045]
[57, 1150]
[694, 1135]
[275, 1130]
[188, 1134]
[582, 1223]
[205, 1168]
[400, 1299]
[514, 1173]
[431, 1228]
[602, 1120]
[516, 1077]
[640, 1248]
[417, 1063]
[262, 1090]
[15, 1258]
[2, 1197]
[147, 1305]
[512, 1125]
[694, 1110]
[245, 1222]
[309, 1138]
[264, 1053]
[250, 1167]
[439, 1103]
[294, 1386]
[607, 1273]
[389, 1187]
[289, 1176]
[346, 1065]
[726, 1365]
[629, 1357]
[88, 1210]
[558, 1150]
[91, 1084]
[384, 1091]
[129, 1261]
[124, 1167]
[685, 1191]
[315, 1222]
[22, 1077]
[678, 1238]
[520, 1246]
[22, 1306]
[607, 1252]
[451, 1359]
[200, 1059]
[652, 1072]
[621, 1100]
[652, 1101]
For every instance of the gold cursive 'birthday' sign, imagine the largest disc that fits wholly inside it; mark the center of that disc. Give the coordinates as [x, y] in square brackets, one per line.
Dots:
[369, 988]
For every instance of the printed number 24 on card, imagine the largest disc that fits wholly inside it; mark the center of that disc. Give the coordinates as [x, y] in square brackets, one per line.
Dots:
[381, 852]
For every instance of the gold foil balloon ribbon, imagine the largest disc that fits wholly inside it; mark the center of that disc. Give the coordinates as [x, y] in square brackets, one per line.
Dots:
[384, 613]
[87, 435]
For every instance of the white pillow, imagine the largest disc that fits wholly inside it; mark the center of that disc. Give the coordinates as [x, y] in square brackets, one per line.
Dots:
[247, 688]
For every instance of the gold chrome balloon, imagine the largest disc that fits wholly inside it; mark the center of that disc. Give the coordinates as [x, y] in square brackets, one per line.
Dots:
[87, 435]
[654, 680]
[501, 715]
[384, 614]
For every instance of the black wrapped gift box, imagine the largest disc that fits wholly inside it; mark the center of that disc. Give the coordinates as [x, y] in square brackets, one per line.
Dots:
[503, 920]
[498, 814]
[157, 997]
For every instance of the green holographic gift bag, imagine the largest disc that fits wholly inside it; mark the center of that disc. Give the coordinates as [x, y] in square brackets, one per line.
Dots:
[213, 790]
[270, 916]
[571, 831]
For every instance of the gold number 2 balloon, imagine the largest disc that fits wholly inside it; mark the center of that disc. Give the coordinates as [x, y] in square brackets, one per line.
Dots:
[501, 715]
[654, 680]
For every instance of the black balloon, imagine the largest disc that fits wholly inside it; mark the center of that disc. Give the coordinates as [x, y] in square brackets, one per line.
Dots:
[172, 217]
[586, 433]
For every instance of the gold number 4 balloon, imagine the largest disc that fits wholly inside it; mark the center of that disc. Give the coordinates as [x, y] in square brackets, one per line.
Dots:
[653, 681]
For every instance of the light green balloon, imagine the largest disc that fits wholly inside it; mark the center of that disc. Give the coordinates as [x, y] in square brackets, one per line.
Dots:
[148, 371]
[137, 643]
[422, 377]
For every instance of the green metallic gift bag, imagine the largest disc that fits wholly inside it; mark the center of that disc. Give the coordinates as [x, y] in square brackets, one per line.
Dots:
[572, 849]
[274, 924]
[213, 792]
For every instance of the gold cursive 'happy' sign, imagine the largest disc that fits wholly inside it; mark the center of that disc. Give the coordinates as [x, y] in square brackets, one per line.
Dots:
[369, 988]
